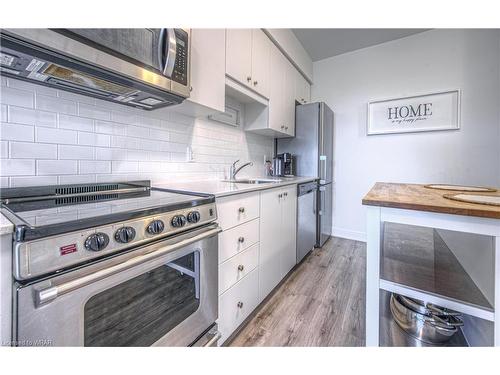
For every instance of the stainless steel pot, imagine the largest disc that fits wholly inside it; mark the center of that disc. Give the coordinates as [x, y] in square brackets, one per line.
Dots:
[426, 322]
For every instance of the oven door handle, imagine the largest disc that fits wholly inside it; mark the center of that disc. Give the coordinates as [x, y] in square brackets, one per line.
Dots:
[49, 294]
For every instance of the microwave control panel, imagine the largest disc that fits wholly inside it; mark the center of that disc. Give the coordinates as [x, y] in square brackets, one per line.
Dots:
[181, 60]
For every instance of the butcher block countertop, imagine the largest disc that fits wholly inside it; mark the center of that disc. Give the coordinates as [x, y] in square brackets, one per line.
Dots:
[418, 197]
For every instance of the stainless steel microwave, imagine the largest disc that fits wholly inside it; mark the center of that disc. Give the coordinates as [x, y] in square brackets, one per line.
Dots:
[144, 68]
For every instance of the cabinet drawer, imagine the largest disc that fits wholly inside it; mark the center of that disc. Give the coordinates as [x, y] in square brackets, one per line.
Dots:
[237, 303]
[236, 268]
[237, 209]
[237, 239]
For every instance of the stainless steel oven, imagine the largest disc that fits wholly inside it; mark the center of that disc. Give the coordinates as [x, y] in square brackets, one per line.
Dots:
[160, 294]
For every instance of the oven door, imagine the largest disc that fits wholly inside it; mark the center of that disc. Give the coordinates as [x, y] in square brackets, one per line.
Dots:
[163, 294]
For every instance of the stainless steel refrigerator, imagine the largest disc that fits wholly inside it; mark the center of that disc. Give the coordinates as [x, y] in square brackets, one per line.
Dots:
[313, 150]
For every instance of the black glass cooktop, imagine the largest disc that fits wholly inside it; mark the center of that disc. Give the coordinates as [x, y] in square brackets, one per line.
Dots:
[42, 215]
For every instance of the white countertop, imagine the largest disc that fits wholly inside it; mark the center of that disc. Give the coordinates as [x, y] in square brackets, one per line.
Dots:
[6, 227]
[221, 188]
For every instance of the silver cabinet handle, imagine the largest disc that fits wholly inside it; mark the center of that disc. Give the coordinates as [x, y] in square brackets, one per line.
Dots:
[241, 210]
[280, 195]
[241, 239]
[286, 127]
[255, 83]
[285, 194]
[167, 39]
[49, 294]
[213, 340]
[282, 126]
[249, 79]
[241, 267]
[240, 304]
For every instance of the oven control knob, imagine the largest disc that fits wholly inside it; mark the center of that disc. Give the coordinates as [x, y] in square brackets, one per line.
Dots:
[155, 227]
[125, 234]
[97, 241]
[193, 217]
[178, 221]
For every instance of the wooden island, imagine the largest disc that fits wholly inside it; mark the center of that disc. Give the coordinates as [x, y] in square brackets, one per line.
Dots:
[418, 263]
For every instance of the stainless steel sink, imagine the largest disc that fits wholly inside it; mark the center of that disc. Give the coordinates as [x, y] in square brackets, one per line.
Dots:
[254, 181]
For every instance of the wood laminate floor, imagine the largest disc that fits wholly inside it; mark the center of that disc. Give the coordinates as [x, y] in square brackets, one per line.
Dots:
[321, 303]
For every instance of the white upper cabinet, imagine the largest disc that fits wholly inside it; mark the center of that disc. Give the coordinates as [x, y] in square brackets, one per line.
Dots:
[261, 50]
[208, 74]
[247, 58]
[276, 90]
[208, 53]
[302, 89]
[289, 98]
[239, 55]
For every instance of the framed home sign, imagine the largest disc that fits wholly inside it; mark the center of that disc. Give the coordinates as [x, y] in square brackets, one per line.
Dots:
[436, 111]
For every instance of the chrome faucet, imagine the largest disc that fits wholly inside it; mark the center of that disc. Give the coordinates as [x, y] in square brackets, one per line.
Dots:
[233, 171]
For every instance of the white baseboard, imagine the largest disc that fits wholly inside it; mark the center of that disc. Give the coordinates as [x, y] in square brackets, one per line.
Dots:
[349, 234]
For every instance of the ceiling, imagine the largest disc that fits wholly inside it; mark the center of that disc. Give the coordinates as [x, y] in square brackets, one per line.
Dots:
[323, 43]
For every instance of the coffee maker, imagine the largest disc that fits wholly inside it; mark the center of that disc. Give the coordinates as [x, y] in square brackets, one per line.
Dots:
[284, 165]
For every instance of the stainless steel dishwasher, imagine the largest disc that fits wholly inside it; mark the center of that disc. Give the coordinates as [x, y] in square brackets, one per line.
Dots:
[306, 218]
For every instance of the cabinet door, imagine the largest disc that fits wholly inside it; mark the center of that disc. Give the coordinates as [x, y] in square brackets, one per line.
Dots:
[270, 240]
[302, 89]
[276, 86]
[289, 229]
[261, 49]
[289, 98]
[208, 54]
[239, 54]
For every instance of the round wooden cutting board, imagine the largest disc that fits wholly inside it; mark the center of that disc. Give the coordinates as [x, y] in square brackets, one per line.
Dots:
[479, 189]
[488, 199]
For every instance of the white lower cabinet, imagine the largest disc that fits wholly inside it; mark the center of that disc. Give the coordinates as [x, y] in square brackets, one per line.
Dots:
[256, 250]
[236, 268]
[278, 227]
[237, 303]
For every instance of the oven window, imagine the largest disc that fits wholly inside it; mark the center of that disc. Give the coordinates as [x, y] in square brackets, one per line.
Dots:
[140, 311]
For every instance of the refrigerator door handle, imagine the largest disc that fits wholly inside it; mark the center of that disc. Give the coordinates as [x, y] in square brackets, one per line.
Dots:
[322, 160]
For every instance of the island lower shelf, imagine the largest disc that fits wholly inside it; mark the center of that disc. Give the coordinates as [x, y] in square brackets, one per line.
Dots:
[416, 262]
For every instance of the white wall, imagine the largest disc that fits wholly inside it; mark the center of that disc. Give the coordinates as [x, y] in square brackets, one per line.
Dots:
[55, 137]
[435, 60]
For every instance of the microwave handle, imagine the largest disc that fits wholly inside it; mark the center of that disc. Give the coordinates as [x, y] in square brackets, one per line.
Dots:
[168, 39]
[46, 295]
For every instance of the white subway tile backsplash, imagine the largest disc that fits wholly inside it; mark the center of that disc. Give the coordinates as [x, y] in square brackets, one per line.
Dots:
[3, 112]
[16, 132]
[33, 181]
[75, 123]
[107, 127]
[76, 152]
[124, 166]
[160, 135]
[28, 86]
[4, 149]
[4, 181]
[29, 116]
[94, 166]
[92, 139]
[11, 96]
[61, 136]
[17, 167]
[51, 136]
[137, 131]
[77, 179]
[123, 117]
[57, 167]
[49, 103]
[94, 112]
[110, 154]
[30, 150]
